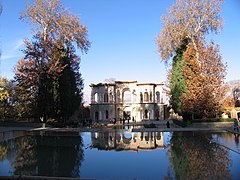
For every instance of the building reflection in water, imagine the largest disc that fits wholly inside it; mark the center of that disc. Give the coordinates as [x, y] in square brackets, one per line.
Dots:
[120, 140]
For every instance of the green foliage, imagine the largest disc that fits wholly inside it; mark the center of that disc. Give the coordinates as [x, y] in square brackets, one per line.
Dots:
[7, 99]
[179, 158]
[49, 88]
[177, 82]
[3, 92]
[48, 79]
[68, 89]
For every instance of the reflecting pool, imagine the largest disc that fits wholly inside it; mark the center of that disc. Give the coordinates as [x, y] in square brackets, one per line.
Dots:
[121, 154]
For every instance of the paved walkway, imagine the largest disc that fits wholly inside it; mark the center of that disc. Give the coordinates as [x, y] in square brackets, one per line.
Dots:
[135, 127]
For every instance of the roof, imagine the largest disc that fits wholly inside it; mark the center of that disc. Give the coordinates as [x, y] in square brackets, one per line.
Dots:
[125, 82]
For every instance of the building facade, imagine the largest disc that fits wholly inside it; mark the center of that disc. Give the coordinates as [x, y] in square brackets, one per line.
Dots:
[119, 140]
[128, 100]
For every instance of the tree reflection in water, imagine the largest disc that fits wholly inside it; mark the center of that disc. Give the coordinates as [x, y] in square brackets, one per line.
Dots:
[44, 155]
[194, 156]
[64, 156]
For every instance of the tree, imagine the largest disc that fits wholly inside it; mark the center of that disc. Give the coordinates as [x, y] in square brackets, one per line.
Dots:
[68, 87]
[177, 81]
[57, 33]
[3, 97]
[204, 85]
[53, 21]
[187, 23]
[188, 20]
[7, 98]
[26, 78]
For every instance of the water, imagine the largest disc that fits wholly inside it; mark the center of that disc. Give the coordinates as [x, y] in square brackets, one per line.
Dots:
[121, 154]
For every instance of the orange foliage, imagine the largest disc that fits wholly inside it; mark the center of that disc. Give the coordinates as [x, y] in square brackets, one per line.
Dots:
[204, 79]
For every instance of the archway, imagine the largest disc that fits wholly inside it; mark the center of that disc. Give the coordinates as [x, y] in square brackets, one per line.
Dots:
[146, 98]
[127, 96]
[146, 114]
[96, 116]
[158, 96]
[96, 98]
[238, 115]
[127, 113]
[105, 97]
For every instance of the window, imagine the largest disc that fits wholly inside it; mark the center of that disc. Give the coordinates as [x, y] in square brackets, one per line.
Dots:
[146, 96]
[96, 97]
[105, 97]
[111, 97]
[127, 96]
[146, 114]
[107, 114]
[141, 97]
[96, 115]
[158, 96]
[118, 96]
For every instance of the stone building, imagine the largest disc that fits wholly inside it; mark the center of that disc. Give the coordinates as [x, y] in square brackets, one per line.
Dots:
[119, 140]
[128, 100]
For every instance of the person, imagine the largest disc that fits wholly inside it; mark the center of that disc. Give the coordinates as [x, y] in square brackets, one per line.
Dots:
[235, 126]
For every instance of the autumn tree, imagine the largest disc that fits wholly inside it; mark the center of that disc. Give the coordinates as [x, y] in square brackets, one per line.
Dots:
[191, 21]
[57, 32]
[204, 92]
[3, 97]
[7, 98]
[188, 20]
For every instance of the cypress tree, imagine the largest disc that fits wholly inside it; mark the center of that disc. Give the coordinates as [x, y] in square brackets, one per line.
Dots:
[177, 82]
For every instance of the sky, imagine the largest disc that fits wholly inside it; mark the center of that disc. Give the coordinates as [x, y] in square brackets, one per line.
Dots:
[122, 35]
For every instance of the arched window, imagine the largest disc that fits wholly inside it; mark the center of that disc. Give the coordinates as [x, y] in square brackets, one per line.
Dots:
[134, 95]
[96, 97]
[110, 97]
[96, 115]
[150, 97]
[105, 97]
[127, 96]
[107, 114]
[141, 97]
[146, 113]
[158, 96]
[118, 96]
[146, 96]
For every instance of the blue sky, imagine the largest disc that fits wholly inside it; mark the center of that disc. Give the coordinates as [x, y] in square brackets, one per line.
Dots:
[122, 33]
